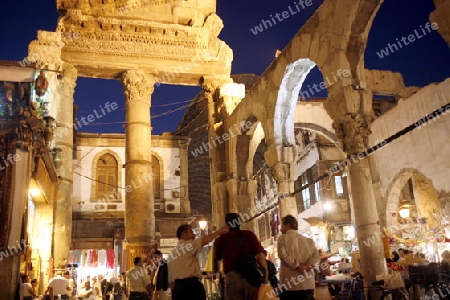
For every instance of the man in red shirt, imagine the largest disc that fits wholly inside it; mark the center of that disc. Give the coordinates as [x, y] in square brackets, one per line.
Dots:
[228, 248]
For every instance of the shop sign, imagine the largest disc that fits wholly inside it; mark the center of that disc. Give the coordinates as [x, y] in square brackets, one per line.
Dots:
[168, 242]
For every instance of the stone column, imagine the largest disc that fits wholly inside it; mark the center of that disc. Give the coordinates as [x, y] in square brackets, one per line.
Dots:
[139, 199]
[64, 140]
[217, 153]
[283, 173]
[184, 177]
[354, 129]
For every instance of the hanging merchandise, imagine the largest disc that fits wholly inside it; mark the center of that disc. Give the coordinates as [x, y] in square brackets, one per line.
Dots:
[41, 84]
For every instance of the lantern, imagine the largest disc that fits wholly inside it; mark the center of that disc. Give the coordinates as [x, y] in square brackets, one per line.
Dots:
[41, 84]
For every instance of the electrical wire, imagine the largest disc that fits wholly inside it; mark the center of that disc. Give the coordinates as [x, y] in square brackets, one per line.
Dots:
[113, 185]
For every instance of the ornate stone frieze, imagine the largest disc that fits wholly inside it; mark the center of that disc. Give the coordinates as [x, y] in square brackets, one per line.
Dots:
[354, 130]
[186, 12]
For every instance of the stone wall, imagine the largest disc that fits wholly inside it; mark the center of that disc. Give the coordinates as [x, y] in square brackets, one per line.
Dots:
[425, 149]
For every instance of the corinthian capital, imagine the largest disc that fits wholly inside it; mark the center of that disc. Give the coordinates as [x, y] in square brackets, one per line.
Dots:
[69, 76]
[354, 130]
[138, 85]
[211, 84]
[281, 172]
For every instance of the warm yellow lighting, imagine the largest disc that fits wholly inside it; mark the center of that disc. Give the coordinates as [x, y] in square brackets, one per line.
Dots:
[349, 233]
[404, 213]
[404, 208]
[202, 224]
[34, 192]
[447, 232]
[327, 206]
[314, 230]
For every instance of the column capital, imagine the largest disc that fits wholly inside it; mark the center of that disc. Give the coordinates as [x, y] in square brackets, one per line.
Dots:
[281, 171]
[138, 85]
[211, 84]
[68, 75]
[354, 130]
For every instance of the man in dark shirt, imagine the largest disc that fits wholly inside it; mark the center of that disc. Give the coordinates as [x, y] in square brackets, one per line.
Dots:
[227, 250]
[162, 277]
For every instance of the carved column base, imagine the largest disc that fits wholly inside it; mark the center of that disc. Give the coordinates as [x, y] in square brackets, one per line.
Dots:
[138, 249]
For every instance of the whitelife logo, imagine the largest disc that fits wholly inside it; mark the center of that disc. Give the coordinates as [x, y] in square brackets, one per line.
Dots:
[405, 41]
[265, 24]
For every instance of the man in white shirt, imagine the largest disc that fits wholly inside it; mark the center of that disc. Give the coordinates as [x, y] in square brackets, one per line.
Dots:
[298, 256]
[59, 286]
[184, 269]
[138, 282]
[86, 293]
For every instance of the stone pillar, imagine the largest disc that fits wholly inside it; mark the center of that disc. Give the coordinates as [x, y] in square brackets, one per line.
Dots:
[283, 173]
[217, 153]
[354, 129]
[64, 140]
[184, 177]
[139, 199]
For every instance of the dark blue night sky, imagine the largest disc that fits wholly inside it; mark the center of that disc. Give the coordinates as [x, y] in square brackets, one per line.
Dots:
[423, 61]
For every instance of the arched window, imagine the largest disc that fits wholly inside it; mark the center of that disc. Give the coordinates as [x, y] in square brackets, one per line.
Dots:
[156, 177]
[107, 177]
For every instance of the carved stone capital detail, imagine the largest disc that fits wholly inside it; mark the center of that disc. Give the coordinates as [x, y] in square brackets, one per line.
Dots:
[354, 131]
[211, 85]
[24, 134]
[281, 171]
[138, 85]
[68, 80]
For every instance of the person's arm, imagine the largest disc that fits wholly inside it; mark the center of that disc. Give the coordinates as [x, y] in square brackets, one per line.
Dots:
[292, 262]
[31, 291]
[211, 237]
[50, 291]
[261, 259]
[328, 255]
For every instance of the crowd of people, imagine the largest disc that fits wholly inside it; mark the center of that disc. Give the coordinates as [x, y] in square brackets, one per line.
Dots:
[179, 277]
[62, 286]
[295, 280]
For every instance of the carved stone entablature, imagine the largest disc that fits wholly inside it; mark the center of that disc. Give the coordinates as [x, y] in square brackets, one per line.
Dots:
[105, 45]
[354, 130]
[185, 12]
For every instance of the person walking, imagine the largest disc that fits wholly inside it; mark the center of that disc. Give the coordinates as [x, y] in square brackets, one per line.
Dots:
[138, 281]
[298, 256]
[184, 268]
[227, 250]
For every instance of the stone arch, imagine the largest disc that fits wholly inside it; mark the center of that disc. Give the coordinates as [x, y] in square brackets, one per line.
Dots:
[342, 43]
[287, 100]
[119, 172]
[329, 135]
[425, 197]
